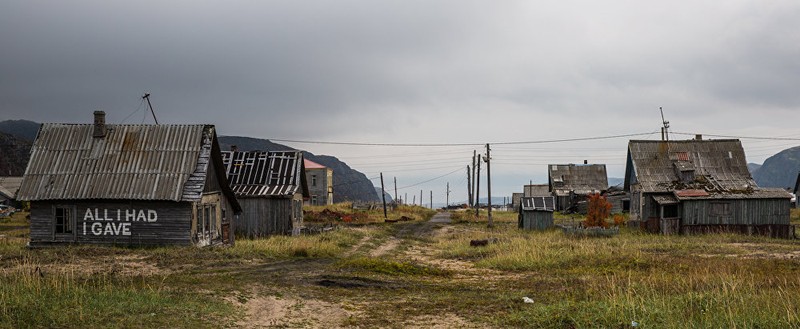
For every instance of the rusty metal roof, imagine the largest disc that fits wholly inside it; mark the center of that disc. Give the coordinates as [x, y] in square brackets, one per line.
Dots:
[539, 203]
[135, 162]
[718, 166]
[264, 174]
[579, 179]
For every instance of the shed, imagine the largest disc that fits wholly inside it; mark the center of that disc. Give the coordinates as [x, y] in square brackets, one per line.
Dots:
[129, 185]
[572, 183]
[516, 199]
[8, 189]
[271, 187]
[694, 186]
[536, 213]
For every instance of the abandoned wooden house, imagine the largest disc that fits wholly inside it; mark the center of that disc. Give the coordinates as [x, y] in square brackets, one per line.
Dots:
[320, 183]
[536, 213]
[572, 183]
[693, 186]
[271, 187]
[128, 185]
[9, 185]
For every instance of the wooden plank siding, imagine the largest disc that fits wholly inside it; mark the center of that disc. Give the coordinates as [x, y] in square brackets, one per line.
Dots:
[741, 212]
[535, 220]
[270, 216]
[171, 227]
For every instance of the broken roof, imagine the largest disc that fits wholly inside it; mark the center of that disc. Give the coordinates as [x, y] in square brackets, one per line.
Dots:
[539, 203]
[132, 162]
[717, 166]
[579, 179]
[265, 174]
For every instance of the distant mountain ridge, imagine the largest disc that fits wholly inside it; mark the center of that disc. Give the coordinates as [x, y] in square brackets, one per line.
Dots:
[14, 155]
[22, 129]
[348, 184]
[779, 170]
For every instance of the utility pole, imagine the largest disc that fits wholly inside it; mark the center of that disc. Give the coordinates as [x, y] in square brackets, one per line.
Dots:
[415, 200]
[665, 128]
[489, 181]
[431, 199]
[469, 188]
[405, 198]
[147, 97]
[383, 195]
[395, 190]
[447, 199]
[421, 202]
[478, 190]
[474, 196]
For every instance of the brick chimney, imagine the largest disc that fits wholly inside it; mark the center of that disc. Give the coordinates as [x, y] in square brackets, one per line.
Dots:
[99, 124]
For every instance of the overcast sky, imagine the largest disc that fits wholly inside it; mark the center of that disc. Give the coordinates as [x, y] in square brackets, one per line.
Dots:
[416, 72]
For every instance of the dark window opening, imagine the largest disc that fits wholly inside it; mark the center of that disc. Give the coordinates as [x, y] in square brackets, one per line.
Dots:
[63, 220]
[671, 211]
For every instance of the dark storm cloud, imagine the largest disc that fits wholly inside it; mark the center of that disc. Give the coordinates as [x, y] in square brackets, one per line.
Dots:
[408, 71]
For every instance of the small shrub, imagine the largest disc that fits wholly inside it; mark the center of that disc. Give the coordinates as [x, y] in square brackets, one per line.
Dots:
[599, 210]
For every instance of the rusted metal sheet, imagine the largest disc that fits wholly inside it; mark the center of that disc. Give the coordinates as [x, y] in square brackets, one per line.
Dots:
[132, 162]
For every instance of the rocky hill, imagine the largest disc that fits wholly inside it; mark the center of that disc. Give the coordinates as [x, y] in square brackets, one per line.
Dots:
[21, 129]
[348, 184]
[779, 170]
[14, 155]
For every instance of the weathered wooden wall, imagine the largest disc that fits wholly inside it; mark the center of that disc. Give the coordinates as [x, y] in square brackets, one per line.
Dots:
[172, 226]
[535, 220]
[264, 216]
[742, 212]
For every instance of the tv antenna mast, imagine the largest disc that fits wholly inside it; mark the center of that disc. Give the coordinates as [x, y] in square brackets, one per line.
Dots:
[147, 97]
[664, 129]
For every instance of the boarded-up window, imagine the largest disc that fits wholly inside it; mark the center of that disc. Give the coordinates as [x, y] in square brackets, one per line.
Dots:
[720, 209]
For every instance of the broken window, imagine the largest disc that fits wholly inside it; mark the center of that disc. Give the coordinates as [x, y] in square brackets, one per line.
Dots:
[64, 220]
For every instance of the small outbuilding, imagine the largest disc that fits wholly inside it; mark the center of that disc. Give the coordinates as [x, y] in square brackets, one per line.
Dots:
[131, 185]
[695, 186]
[271, 187]
[536, 213]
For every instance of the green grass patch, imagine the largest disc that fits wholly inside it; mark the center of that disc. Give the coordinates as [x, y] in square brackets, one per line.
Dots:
[388, 267]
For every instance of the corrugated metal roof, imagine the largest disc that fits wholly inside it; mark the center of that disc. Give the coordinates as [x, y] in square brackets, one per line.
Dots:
[580, 179]
[540, 203]
[717, 165]
[260, 173]
[135, 162]
[690, 193]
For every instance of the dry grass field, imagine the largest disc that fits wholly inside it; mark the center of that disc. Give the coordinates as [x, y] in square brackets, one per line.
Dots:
[408, 274]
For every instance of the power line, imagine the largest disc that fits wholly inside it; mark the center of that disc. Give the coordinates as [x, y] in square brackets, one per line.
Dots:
[430, 180]
[546, 141]
[742, 137]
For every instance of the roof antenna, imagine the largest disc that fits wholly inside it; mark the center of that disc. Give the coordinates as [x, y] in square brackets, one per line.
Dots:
[147, 97]
[664, 129]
